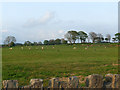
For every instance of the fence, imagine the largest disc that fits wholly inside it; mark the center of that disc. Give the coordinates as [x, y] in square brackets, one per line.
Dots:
[91, 81]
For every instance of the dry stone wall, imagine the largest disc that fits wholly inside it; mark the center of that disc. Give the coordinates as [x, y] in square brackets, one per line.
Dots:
[91, 81]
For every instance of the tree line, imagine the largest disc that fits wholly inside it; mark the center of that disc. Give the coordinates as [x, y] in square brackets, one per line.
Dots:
[46, 42]
[70, 37]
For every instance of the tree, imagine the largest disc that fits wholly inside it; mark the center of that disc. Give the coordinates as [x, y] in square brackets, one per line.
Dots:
[39, 43]
[106, 39]
[58, 41]
[93, 36]
[46, 42]
[71, 36]
[117, 36]
[88, 39]
[12, 44]
[102, 38]
[35, 43]
[74, 35]
[114, 39]
[68, 37]
[109, 37]
[9, 40]
[82, 36]
[63, 41]
[51, 42]
[99, 38]
[27, 43]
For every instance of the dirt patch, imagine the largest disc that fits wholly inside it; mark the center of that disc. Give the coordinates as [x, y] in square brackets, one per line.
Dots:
[115, 64]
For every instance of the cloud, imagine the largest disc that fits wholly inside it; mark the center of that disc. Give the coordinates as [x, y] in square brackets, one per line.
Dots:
[56, 34]
[3, 31]
[48, 16]
[39, 21]
[60, 31]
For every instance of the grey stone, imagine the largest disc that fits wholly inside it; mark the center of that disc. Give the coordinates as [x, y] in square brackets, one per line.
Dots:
[116, 81]
[10, 84]
[54, 83]
[108, 81]
[94, 81]
[63, 84]
[112, 81]
[73, 82]
[36, 83]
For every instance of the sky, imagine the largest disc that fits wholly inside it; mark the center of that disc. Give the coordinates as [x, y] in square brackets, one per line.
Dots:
[38, 21]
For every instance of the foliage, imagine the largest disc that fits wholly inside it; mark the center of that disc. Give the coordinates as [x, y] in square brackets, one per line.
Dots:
[114, 39]
[27, 43]
[58, 41]
[63, 41]
[46, 42]
[117, 36]
[51, 42]
[82, 36]
[106, 39]
[71, 36]
[39, 43]
[35, 43]
[12, 44]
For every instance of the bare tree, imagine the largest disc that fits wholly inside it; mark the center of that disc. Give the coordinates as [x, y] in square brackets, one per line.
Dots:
[9, 40]
[99, 37]
[68, 37]
[93, 36]
[88, 38]
[108, 36]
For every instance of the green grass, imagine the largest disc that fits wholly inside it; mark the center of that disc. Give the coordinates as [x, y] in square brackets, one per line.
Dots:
[61, 61]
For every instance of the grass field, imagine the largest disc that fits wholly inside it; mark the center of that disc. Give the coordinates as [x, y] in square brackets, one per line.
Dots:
[60, 61]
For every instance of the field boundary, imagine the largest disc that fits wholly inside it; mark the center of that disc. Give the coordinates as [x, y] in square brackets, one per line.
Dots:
[91, 81]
